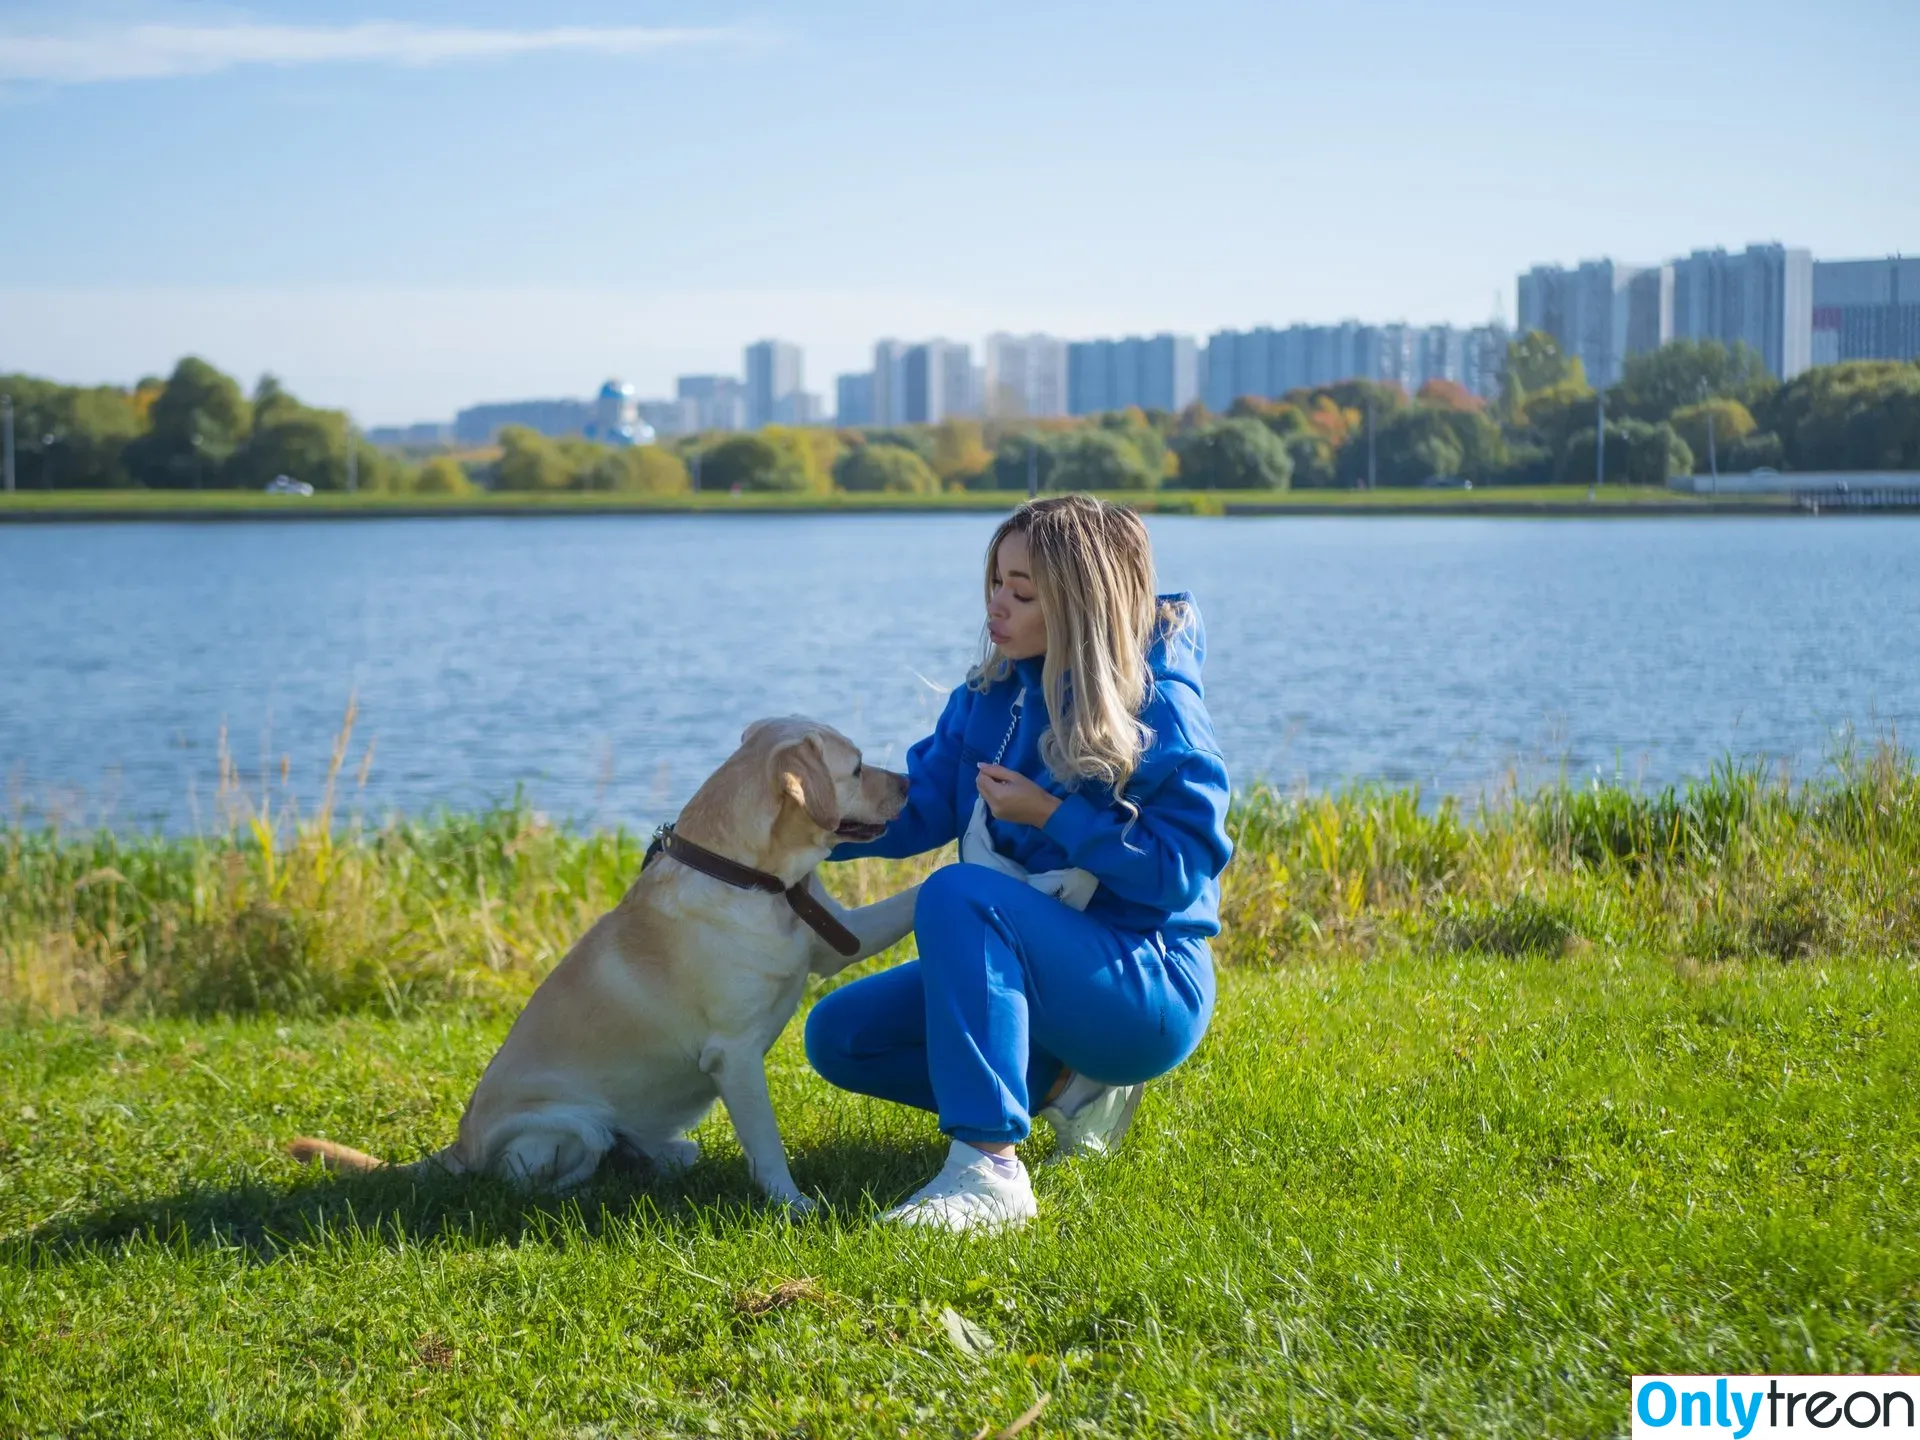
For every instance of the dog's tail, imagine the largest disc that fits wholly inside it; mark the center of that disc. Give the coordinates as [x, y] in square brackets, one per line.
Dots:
[345, 1160]
[333, 1156]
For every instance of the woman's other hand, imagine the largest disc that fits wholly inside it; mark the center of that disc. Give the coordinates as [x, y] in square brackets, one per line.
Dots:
[1012, 796]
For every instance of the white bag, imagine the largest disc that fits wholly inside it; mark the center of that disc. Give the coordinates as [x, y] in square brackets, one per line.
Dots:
[1072, 886]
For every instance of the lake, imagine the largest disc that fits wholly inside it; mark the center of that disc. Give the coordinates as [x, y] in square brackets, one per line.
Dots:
[604, 665]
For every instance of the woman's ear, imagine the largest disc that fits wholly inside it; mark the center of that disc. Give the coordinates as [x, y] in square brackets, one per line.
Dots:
[802, 767]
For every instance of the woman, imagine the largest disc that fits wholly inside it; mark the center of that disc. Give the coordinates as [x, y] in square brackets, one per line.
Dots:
[1065, 959]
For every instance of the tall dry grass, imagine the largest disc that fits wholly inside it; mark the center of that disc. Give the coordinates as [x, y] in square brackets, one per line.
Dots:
[276, 910]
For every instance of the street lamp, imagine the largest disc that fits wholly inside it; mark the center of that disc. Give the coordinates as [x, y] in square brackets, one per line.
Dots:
[46, 457]
[6, 440]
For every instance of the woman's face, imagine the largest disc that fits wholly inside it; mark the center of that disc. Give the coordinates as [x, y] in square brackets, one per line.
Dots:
[1014, 621]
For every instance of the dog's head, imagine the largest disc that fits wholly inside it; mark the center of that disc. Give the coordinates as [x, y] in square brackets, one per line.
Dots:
[819, 779]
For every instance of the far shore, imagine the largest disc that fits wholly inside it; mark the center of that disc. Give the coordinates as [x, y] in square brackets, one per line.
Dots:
[1609, 501]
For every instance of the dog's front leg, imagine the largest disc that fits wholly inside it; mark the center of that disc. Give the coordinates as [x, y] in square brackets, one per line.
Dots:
[739, 1072]
[877, 927]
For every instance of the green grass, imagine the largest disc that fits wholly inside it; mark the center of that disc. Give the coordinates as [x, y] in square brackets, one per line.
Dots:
[1498, 1108]
[133, 504]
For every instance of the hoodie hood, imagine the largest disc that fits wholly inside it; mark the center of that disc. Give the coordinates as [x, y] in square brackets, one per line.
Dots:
[1179, 651]
[1176, 652]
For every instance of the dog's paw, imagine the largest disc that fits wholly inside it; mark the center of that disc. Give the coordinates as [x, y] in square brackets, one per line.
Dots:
[796, 1205]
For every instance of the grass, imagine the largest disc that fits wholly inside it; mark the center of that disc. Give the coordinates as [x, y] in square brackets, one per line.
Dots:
[1498, 1109]
[134, 504]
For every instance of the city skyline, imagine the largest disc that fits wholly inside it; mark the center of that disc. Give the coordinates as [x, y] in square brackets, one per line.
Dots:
[1791, 309]
[403, 207]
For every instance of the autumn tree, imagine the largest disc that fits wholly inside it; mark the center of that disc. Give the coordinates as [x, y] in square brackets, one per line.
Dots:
[1712, 427]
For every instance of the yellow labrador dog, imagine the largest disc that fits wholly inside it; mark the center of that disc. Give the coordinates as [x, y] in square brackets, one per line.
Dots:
[675, 996]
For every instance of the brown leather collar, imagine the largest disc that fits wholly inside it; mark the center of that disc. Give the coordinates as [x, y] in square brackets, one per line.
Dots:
[745, 877]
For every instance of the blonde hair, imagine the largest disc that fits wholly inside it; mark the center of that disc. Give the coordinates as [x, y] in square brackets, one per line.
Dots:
[1092, 567]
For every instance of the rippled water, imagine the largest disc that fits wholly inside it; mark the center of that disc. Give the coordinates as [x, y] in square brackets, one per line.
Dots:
[606, 664]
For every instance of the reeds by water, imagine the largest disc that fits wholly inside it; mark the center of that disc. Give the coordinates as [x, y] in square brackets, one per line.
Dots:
[304, 914]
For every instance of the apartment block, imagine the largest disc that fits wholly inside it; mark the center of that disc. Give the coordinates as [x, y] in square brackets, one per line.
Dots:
[1866, 310]
[1761, 297]
[1158, 372]
[773, 383]
[1024, 376]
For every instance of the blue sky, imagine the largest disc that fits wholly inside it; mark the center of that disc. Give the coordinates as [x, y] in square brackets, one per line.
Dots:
[404, 207]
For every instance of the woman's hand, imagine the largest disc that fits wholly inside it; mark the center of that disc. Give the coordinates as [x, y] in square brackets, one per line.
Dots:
[1012, 796]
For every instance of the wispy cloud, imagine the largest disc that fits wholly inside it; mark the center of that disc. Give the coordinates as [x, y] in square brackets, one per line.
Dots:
[156, 51]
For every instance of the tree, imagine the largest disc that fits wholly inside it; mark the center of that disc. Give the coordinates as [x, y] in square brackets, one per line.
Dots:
[1012, 457]
[750, 462]
[1684, 372]
[1449, 395]
[1860, 415]
[1762, 448]
[442, 475]
[289, 439]
[1145, 437]
[1637, 454]
[1315, 462]
[1099, 459]
[530, 461]
[1409, 447]
[91, 428]
[810, 452]
[891, 468]
[1730, 420]
[198, 421]
[638, 470]
[1553, 414]
[1535, 361]
[1235, 455]
[958, 452]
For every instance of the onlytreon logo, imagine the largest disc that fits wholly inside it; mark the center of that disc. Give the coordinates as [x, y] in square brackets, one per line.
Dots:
[1743, 1405]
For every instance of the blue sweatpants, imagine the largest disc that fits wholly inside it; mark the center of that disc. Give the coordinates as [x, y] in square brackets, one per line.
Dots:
[1011, 985]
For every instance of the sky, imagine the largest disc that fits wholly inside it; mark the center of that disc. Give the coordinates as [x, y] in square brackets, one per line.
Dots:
[404, 208]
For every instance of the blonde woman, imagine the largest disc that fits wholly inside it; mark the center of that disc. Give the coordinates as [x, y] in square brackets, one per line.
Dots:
[1064, 960]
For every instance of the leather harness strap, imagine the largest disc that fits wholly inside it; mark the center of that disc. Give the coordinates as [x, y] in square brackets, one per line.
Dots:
[744, 877]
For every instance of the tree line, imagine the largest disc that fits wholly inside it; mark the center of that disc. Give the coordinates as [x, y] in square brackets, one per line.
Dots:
[1675, 411]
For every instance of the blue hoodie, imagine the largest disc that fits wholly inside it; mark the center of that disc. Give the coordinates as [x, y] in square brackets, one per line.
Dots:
[1159, 871]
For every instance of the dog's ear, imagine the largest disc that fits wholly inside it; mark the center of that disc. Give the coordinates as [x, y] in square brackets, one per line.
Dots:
[804, 775]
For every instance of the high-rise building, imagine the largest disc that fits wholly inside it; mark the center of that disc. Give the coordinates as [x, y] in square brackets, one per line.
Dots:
[889, 382]
[1158, 372]
[1266, 363]
[719, 401]
[773, 380]
[1649, 309]
[1762, 297]
[1485, 358]
[1600, 312]
[935, 383]
[853, 399]
[1025, 376]
[1866, 310]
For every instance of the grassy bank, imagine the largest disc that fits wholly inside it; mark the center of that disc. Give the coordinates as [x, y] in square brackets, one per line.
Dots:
[1498, 1109]
[309, 916]
[79, 505]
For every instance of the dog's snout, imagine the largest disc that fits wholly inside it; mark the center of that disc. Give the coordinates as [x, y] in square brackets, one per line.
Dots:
[897, 792]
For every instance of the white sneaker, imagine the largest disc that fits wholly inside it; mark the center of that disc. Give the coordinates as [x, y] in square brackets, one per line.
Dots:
[1089, 1118]
[970, 1193]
